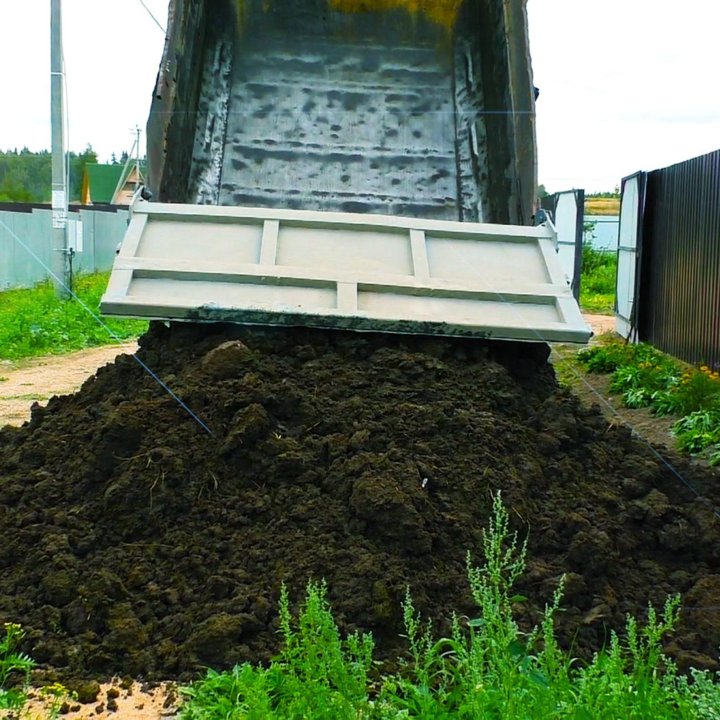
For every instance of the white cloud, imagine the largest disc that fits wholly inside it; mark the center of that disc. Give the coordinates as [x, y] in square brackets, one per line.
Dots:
[112, 53]
[625, 85]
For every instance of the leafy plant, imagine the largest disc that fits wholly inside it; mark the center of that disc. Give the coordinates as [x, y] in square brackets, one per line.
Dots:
[597, 287]
[640, 382]
[644, 376]
[698, 430]
[13, 663]
[697, 390]
[53, 697]
[606, 357]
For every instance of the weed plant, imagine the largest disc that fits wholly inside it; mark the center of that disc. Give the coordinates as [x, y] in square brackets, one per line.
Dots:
[35, 322]
[646, 377]
[487, 668]
[14, 666]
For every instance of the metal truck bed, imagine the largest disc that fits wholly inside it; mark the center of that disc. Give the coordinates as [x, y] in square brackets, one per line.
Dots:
[376, 162]
[420, 108]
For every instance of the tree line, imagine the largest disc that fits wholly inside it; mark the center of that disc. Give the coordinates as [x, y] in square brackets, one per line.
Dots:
[25, 176]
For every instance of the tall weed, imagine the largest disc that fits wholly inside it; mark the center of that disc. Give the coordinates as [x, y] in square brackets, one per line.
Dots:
[15, 666]
[488, 667]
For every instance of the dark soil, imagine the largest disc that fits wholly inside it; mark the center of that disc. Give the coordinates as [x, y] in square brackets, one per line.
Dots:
[134, 542]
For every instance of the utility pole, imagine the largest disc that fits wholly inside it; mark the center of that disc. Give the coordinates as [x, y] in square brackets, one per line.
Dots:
[137, 156]
[60, 261]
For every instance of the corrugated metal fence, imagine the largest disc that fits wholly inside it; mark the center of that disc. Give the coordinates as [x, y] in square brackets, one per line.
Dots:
[100, 231]
[677, 295]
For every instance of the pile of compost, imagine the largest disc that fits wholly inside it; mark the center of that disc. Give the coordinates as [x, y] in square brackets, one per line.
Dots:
[134, 541]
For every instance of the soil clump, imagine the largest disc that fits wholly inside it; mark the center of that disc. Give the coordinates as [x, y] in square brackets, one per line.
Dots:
[136, 540]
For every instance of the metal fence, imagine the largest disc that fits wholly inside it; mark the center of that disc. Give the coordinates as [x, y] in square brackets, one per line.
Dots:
[568, 209]
[98, 233]
[601, 232]
[672, 277]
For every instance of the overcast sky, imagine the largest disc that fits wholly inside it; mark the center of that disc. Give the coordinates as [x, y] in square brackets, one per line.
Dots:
[625, 85]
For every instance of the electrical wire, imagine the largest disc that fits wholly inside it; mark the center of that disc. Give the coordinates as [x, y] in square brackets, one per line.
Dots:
[152, 16]
[108, 329]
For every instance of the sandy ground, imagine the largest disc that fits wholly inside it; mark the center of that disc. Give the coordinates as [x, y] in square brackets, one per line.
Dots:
[600, 324]
[115, 700]
[37, 380]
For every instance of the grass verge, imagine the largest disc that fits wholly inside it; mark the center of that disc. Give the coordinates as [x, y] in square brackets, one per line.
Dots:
[35, 322]
[488, 668]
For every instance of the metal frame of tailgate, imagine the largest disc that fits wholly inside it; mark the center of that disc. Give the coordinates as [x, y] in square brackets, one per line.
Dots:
[342, 270]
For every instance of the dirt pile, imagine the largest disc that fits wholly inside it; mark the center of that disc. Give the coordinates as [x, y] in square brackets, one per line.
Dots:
[134, 542]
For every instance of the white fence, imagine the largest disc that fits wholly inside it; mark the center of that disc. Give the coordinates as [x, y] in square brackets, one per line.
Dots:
[98, 233]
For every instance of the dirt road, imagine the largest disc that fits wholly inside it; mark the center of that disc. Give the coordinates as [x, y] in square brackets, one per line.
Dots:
[37, 380]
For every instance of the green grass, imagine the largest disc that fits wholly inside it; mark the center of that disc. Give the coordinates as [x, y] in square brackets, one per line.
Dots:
[597, 286]
[487, 668]
[35, 322]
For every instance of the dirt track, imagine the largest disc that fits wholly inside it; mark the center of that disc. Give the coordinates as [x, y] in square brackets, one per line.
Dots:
[37, 380]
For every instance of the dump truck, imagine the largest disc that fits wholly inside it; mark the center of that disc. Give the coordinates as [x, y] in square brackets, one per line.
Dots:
[362, 164]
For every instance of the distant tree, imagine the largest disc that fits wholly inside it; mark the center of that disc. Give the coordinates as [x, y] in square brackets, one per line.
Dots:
[541, 191]
[607, 194]
[10, 191]
[25, 176]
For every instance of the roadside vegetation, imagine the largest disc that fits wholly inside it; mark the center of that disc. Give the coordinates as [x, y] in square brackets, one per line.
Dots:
[35, 322]
[597, 285]
[487, 668]
[645, 377]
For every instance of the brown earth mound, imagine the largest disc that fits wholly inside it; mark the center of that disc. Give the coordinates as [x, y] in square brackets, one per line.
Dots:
[134, 542]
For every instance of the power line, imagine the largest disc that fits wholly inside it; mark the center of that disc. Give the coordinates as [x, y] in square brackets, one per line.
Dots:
[109, 330]
[149, 12]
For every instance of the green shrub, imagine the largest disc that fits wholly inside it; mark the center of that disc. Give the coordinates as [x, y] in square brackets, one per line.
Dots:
[606, 358]
[597, 286]
[696, 390]
[644, 376]
[698, 431]
[641, 381]
[316, 675]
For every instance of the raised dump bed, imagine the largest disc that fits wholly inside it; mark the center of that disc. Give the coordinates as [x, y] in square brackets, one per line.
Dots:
[378, 163]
